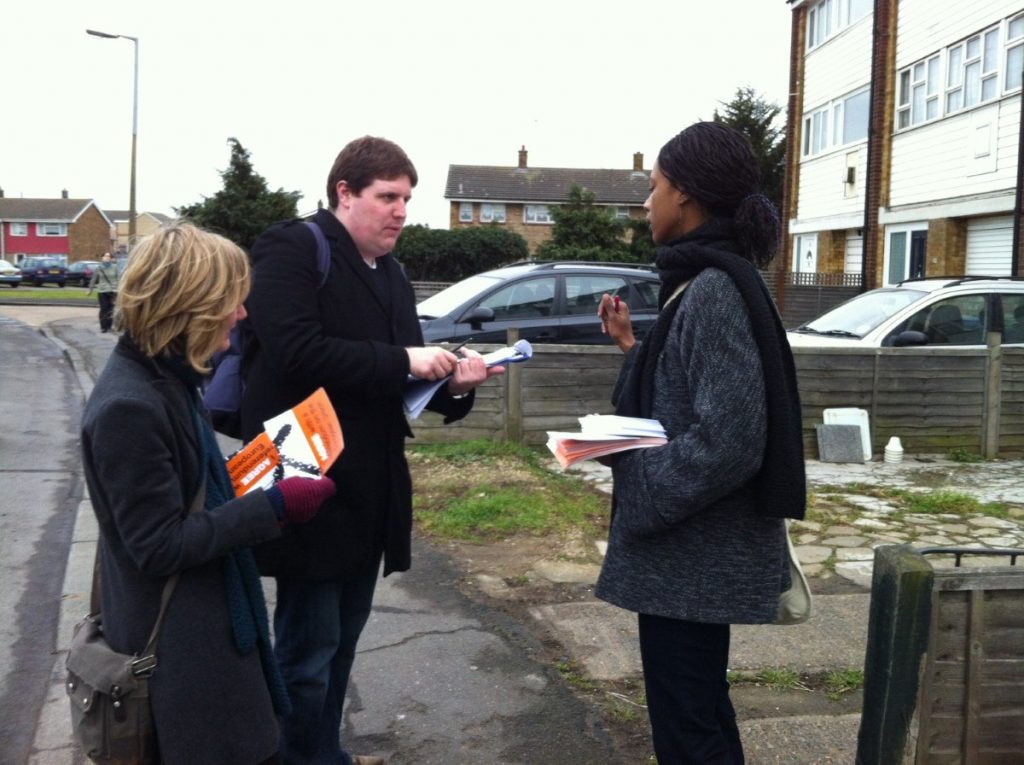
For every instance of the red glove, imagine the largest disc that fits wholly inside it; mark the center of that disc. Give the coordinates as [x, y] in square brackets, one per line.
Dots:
[297, 499]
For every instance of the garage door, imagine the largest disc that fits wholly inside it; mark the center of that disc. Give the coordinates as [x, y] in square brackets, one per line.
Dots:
[988, 246]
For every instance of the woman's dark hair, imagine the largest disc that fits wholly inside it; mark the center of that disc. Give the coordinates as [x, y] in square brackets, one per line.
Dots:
[715, 165]
[366, 160]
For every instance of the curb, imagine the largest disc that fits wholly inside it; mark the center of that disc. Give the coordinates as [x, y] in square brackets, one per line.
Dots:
[53, 743]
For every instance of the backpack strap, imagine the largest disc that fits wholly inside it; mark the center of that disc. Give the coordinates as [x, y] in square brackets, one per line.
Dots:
[323, 252]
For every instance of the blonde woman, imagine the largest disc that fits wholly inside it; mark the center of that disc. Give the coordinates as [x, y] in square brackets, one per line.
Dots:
[148, 450]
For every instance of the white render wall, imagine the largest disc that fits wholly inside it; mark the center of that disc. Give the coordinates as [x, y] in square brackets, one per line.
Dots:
[936, 162]
[928, 26]
[839, 67]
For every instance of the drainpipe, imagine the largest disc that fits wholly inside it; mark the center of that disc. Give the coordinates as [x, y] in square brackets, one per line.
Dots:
[1018, 192]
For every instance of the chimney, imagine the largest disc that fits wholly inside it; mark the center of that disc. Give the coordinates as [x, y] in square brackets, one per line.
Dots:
[638, 162]
[522, 158]
[64, 194]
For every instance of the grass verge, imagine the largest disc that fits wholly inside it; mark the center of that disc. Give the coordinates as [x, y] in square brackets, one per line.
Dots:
[485, 490]
[68, 295]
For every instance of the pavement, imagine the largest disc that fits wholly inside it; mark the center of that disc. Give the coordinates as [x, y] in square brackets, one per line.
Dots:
[601, 639]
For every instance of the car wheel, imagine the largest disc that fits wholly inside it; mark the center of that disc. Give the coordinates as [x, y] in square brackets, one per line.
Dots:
[15, 285]
[62, 284]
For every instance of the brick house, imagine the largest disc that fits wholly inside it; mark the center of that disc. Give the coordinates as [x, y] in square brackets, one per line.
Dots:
[521, 197]
[904, 123]
[70, 229]
[145, 223]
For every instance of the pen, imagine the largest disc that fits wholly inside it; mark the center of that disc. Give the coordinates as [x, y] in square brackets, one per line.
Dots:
[616, 303]
[460, 345]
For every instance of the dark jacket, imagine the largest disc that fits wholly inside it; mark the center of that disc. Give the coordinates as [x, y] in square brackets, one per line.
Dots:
[687, 540]
[348, 336]
[141, 458]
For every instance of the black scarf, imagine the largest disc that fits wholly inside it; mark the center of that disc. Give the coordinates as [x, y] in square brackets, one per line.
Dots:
[780, 484]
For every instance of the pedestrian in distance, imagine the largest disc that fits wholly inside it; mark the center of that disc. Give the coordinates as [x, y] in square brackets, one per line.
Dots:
[149, 453]
[357, 335]
[697, 538]
[104, 283]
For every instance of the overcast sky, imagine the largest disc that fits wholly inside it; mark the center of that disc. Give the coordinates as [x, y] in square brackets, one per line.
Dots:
[579, 83]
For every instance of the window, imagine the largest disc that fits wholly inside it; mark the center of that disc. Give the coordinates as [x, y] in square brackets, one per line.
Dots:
[839, 123]
[529, 299]
[52, 229]
[969, 72]
[537, 214]
[972, 73]
[830, 17]
[618, 212]
[19, 229]
[953, 321]
[1014, 52]
[918, 99]
[492, 213]
[905, 252]
[583, 293]
[465, 212]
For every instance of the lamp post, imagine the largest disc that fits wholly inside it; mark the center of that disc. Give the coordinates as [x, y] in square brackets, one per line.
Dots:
[135, 128]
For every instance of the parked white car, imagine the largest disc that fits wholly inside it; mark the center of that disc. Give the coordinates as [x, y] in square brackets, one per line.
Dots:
[957, 311]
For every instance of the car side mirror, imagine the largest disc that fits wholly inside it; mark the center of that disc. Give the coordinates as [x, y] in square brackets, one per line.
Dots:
[478, 316]
[910, 337]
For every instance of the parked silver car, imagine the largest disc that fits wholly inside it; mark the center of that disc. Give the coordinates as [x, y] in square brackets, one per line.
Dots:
[950, 311]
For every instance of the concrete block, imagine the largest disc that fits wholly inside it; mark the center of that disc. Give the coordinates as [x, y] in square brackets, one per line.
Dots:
[839, 443]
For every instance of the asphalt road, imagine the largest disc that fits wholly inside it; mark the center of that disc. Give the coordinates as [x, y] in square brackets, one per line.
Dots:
[438, 679]
[40, 487]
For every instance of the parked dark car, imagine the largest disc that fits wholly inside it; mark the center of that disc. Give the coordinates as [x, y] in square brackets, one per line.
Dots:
[9, 274]
[40, 271]
[80, 272]
[548, 301]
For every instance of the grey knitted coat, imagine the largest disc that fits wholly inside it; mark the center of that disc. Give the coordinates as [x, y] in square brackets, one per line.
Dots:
[686, 540]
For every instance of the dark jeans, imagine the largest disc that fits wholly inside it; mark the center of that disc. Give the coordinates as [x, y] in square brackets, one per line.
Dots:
[692, 719]
[316, 627]
[107, 300]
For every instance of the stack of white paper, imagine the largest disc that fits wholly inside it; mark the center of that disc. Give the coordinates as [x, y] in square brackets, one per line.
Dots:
[603, 434]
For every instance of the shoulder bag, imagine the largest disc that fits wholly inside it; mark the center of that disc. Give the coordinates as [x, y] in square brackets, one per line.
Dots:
[795, 603]
[109, 691]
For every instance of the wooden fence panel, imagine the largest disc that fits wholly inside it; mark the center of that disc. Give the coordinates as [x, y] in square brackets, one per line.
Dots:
[933, 399]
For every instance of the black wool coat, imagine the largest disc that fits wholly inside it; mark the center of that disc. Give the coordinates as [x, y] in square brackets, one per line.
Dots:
[141, 457]
[348, 336]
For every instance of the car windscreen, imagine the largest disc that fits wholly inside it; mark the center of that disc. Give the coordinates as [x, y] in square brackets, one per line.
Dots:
[857, 317]
[450, 298]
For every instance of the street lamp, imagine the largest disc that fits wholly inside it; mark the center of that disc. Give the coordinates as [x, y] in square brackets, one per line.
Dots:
[135, 128]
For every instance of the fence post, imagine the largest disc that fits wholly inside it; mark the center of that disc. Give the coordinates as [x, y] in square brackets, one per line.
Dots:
[513, 394]
[990, 418]
[899, 620]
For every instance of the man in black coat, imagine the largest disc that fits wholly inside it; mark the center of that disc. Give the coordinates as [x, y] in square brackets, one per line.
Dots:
[356, 335]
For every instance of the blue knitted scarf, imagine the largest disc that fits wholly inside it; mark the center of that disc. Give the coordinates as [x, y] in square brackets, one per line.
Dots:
[246, 604]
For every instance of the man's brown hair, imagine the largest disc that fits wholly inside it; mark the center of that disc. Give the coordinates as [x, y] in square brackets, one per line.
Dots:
[366, 160]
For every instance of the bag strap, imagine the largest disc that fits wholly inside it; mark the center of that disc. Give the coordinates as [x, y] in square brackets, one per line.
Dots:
[147, 661]
[323, 252]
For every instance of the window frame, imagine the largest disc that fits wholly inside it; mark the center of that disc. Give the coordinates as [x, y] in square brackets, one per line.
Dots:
[830, 17]
[59, 229]
[493, 212]
[464, 208]
[537, 215]
[19, 228]
[822, 127]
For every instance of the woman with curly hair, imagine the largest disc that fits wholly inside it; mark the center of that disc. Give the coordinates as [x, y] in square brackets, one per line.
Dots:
[697, 539]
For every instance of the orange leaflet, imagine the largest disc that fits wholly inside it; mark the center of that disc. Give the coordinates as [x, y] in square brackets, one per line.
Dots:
[252, 465]
[320, 426]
